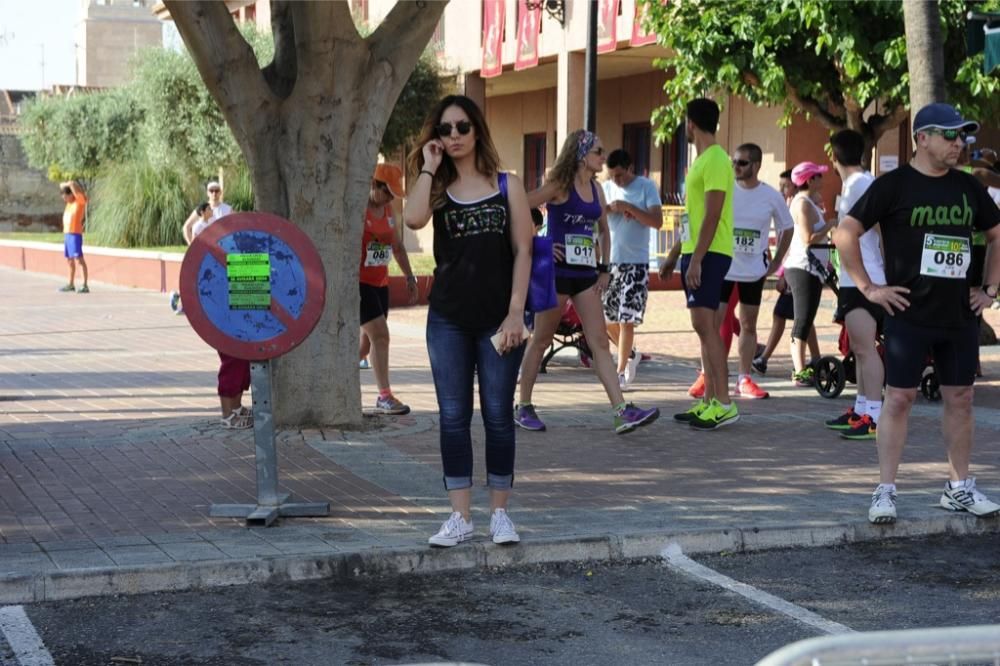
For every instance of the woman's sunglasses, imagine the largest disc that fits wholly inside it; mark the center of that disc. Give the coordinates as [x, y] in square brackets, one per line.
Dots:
[444, 129]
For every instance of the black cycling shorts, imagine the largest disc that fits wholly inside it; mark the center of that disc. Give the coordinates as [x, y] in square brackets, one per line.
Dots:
[751, 293]
[909, 347]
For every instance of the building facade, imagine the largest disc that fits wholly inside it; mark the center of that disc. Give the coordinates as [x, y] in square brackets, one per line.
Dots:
[109, 33]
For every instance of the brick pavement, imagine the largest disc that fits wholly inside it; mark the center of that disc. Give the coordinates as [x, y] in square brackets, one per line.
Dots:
[110, 456]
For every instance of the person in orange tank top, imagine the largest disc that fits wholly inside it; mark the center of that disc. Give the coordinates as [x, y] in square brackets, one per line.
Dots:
[381, 241]
[73, 219]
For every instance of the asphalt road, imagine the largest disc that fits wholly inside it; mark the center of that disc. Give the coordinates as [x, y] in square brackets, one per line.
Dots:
[644, 612]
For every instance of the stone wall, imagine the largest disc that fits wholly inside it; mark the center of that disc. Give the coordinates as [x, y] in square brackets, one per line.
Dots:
[28, 200]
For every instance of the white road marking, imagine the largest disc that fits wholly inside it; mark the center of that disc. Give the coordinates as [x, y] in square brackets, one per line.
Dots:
[676, 559]
[24, 641]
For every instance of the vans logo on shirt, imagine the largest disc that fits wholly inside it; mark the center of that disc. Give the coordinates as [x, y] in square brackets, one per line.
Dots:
[958, 216]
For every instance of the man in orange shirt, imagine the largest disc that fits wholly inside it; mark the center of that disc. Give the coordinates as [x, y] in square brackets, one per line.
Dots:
[73, 216]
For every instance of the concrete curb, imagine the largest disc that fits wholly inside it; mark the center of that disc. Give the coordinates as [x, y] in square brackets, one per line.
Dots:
[77, 583]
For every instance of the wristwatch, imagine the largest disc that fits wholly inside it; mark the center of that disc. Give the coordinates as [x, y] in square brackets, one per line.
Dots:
[991, 290]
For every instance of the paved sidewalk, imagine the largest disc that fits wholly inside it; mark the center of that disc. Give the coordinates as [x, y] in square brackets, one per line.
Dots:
[110, 458]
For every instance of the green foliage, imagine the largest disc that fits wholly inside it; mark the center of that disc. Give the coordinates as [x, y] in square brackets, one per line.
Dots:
[830, 59]
[73, 137]
[239, 188]
[422, 90]
[138, 204]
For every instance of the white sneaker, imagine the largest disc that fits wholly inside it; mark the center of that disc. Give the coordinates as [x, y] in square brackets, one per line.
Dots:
[631, 368]
[623, 382]
[883, 508]
[454, 531]
[968, 499]
[502, 528]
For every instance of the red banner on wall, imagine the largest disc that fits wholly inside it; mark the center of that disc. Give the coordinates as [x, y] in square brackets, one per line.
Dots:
[639, 35]
[493, 21]
[528, 24]
[607, 20]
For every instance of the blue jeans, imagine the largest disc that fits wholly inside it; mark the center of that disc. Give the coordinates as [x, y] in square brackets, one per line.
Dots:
[457, 354]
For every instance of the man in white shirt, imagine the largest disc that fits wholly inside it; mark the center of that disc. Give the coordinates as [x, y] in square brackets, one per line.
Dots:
[862, 318]
[756, 208]
[633, 211]
[215, 202]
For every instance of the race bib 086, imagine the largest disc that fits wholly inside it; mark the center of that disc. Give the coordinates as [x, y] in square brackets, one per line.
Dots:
[945, 256]
[378, 254]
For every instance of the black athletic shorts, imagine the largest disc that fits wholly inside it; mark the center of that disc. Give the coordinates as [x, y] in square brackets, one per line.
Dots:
[784, 307]
[851, 298]
[374, 302]
[571, 286]
[751, 293]
[909, 346]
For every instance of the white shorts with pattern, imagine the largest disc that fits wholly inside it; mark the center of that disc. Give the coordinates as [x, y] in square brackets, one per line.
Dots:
[625, 299]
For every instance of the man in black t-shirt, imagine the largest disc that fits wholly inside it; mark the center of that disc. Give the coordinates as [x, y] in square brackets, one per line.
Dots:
[927, 211]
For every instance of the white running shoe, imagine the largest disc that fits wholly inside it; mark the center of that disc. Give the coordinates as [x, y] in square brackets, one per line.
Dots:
[631, 368]
[454, 531]
[883, 508]
[502, 528]
[968, 498]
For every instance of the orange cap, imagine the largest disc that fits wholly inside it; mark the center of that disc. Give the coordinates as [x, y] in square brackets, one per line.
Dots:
[391, 176]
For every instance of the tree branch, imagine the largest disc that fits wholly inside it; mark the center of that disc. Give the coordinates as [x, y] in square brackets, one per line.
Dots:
[882, 123]
[225, 61]
[814, 107]
[281, 73]
[404, 33]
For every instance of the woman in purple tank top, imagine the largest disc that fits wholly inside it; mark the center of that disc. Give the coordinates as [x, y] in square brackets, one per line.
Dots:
[578, 226]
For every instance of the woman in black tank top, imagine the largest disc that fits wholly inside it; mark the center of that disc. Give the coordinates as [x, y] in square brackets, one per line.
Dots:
[475, 323]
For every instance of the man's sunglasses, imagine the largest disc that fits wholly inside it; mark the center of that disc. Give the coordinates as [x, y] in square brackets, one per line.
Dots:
[742, 163]
[214, 189]
[949, 134]
[444, 129]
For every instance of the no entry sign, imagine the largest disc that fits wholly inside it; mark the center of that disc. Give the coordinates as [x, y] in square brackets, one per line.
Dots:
[253, 285]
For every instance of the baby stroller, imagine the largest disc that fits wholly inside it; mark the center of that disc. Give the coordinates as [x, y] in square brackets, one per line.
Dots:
[832, 374]
[568, 335]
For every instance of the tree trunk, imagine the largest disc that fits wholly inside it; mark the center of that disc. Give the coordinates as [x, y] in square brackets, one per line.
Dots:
[924, 52]
[309, 125]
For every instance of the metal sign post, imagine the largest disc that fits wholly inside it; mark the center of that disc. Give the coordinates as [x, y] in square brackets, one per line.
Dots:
[253, 287]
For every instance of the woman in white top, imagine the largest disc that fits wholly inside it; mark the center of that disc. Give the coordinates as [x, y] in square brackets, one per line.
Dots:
[802, 278]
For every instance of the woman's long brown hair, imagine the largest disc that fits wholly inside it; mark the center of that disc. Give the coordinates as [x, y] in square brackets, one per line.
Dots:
[487, 158]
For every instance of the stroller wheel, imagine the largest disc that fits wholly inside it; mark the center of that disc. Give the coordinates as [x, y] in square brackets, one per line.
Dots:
[929, 387]
[829, 376]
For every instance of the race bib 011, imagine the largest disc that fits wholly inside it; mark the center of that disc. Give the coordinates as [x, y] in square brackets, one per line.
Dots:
[580, 250]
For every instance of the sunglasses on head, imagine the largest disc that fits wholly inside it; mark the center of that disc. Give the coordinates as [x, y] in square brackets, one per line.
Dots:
[949, 134]
[444, 129]
[741, 163]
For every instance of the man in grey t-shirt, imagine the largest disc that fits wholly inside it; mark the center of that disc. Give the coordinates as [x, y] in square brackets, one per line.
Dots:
[633, 210]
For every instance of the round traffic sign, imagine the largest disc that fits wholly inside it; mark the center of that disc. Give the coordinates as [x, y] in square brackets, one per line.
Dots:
[253, 285]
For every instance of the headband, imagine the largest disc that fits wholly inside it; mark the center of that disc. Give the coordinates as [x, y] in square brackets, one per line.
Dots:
[584, 143]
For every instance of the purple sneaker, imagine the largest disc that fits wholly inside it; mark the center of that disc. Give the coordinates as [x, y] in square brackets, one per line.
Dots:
[631, 417]
[525, 416]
